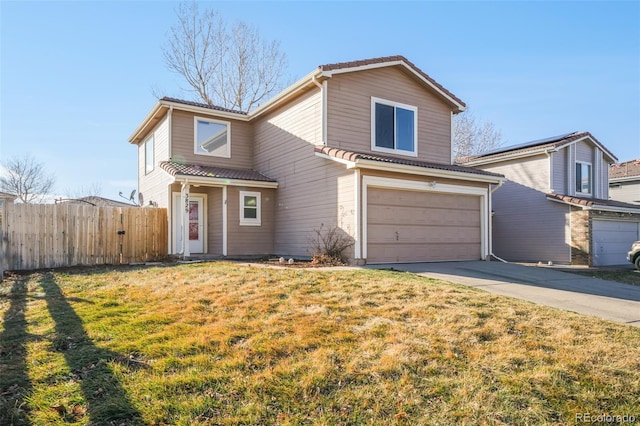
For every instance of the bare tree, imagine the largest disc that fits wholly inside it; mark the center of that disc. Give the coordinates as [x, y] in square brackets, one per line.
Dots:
[232, 67]
[27, 179]
[473, 138]
[90, 190]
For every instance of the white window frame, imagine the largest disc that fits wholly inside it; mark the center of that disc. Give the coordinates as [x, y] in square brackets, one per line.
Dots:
[257, 221]
[227, 154]
[149, 166]
[412, 108]
[580, 164]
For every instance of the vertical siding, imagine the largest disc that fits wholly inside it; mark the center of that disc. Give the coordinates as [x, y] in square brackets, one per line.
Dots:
[313, 192]
[182, 147]
[153, 186]
[559, 162]
[349, 111]
[250, 240]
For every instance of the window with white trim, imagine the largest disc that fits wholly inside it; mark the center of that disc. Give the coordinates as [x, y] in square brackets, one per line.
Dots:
[583, 178]
[394, 127]
[250, 208]
[149, 155]
[212, 137]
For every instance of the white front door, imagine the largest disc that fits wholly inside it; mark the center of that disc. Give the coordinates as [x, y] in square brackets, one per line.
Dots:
[196, 227]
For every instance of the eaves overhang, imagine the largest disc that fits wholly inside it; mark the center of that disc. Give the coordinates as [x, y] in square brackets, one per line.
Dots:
[211, 181]
[595, 207]
[359, 163]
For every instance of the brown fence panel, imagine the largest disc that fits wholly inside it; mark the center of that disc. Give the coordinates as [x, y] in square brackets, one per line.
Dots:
[54, 235]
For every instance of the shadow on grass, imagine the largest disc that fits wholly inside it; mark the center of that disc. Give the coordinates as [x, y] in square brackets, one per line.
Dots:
[107, 401]
[15, 385]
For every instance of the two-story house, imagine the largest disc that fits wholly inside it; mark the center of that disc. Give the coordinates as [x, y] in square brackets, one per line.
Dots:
[624, 182]
[555, 204]
[362, 146]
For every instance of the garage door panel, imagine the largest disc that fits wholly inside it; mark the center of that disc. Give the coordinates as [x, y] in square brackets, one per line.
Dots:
[423, 234]
[422, 216]
[409, 226]
[430, 252]
[611, 240]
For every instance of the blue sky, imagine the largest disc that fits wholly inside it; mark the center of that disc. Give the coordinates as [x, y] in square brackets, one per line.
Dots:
[76, 78]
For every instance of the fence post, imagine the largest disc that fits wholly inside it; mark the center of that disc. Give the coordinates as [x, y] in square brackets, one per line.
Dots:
[2, 220]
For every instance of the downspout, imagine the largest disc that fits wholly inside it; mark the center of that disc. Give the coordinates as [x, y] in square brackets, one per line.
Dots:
[323, 101]
[491, 223]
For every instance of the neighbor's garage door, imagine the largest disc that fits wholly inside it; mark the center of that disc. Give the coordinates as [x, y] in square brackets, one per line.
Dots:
[612, 240]
[412, 226]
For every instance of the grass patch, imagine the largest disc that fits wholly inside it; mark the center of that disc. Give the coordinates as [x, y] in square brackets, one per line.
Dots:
[220, 343]
[626, 276]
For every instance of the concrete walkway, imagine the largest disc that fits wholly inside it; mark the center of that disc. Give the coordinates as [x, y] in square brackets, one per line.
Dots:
[589, 296]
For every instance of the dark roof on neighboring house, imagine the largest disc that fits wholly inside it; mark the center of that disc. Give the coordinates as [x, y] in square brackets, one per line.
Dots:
[355, 156]
[534, 147]
[202, 105]
[103, 202]
[593, 203]
[180, 169]
[386, 59]
[625, 170]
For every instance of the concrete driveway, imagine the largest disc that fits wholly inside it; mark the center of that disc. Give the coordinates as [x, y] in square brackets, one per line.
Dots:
[589, 296]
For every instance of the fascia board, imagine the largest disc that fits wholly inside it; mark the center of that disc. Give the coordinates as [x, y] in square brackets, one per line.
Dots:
[416, 170]
[197, 180]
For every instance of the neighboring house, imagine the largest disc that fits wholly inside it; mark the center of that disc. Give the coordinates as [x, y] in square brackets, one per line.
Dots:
[362, 146]
[94, 200]
[624, 182]
[555, 204]
[5, 198]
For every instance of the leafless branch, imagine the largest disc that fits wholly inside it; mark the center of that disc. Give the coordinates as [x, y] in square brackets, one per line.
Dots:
[27, 179]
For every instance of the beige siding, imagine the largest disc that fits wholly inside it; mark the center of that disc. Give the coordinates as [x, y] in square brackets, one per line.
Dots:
[349, 111]
[313, 192]
[412, 226]
[153, 186]
[629, 192]
[182, 147]
[584, 152]
[250, 240]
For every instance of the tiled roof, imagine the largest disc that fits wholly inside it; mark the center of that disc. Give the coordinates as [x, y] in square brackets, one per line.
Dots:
[591, 202]
[539, 145]
[381, 60]
[355, 156]
[202, 105]
[626, 169]
[180, 169]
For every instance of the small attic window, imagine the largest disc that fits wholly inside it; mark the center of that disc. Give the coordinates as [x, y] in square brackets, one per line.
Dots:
[212, 137]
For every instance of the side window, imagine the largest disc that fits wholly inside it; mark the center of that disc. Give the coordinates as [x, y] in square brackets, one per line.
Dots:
[250, 208]
[583, 178]
[149, 155]
[393, 127]
[212, 137]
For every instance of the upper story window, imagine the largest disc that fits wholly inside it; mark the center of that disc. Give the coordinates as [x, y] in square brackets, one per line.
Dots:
[583, 178]
[212, 137]
[149, 160]
[250, 208]
[393, 127]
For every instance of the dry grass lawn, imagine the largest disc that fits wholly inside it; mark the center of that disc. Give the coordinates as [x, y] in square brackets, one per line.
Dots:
[221, 343]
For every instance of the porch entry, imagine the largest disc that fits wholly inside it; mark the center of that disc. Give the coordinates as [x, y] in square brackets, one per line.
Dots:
[196, 228]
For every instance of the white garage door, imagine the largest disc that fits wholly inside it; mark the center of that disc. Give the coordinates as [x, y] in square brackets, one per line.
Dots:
[612, 240]
[413, 226]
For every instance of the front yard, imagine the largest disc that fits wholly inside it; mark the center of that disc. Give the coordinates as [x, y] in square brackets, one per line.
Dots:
[622, 275]
[220, 343]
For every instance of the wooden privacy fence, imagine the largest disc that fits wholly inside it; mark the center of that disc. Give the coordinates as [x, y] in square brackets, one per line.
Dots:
[38, 236]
